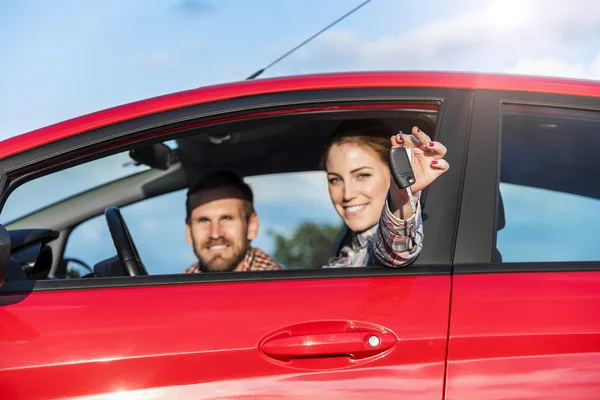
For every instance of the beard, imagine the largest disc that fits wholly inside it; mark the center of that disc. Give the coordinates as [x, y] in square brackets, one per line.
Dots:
[218, 262]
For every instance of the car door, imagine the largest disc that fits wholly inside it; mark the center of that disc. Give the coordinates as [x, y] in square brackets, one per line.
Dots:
[358, 333]
[526, 284]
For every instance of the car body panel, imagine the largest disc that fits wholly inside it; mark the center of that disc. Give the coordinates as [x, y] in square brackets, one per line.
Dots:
[85, 342]
[452, 80]
[203, 333]
[518, 330]
[525, 336]
[491, 331]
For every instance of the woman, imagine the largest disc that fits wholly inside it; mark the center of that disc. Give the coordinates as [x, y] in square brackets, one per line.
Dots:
[383, 228]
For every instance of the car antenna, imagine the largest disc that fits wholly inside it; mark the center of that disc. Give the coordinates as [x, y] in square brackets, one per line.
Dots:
[260, 71]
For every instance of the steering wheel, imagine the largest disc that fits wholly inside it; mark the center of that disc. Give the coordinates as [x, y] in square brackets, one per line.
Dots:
[126, 250]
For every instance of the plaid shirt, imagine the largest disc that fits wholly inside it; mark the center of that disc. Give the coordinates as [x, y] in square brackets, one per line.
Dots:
[255, 260]
[391, 243]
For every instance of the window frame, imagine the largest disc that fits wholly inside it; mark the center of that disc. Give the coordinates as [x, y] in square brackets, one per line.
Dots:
[477, 228]
[442, 198]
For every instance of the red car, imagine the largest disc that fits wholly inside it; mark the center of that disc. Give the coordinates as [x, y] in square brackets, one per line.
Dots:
[502, 303]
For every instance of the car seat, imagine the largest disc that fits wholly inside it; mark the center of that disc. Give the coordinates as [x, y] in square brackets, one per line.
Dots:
[500, 223]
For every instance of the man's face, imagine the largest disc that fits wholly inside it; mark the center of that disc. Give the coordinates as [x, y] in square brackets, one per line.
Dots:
[219, 229]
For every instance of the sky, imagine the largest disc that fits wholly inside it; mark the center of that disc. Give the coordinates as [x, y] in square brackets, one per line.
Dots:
[65, 58]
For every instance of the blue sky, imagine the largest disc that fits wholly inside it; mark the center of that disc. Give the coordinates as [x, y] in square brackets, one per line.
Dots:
[67, 57]
[64, 58]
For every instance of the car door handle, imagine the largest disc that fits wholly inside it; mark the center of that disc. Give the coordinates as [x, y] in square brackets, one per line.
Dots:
[354, 344]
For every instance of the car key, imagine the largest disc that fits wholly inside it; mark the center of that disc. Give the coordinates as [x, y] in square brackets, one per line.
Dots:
[402, 171]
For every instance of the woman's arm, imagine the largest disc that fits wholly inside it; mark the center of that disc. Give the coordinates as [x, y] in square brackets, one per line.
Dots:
[397, 241]
[399, 236]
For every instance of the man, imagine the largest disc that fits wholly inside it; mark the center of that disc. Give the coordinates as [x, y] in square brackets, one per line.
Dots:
[220, 224]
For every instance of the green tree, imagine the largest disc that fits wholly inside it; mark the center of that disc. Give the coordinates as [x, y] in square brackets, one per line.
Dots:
[310, 245]
[73, 273]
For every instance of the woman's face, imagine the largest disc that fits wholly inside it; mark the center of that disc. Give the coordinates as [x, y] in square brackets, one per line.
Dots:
[358, 183]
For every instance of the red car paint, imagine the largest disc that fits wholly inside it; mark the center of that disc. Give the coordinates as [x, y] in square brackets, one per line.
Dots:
[525, 336]
[465, 336]
[208, 94]
[73, 343]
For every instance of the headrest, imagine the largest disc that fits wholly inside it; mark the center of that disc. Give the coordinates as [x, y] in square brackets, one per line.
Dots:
[500, 213]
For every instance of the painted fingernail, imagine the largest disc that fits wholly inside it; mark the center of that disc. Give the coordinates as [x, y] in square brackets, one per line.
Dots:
[418, 130]
[430, 144]
[434, 162]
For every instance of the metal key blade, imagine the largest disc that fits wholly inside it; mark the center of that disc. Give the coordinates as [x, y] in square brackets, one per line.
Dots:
[411, 199]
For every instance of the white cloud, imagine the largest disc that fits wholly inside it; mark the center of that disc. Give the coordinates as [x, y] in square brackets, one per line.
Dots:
[547, 66]
[546, 37]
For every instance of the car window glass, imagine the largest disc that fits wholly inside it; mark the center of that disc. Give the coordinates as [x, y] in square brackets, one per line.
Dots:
[298, 226]
[549, 185]
[37, 193]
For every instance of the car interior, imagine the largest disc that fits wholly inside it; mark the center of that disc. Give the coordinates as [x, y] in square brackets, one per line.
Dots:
[249, 148]
[274, 145]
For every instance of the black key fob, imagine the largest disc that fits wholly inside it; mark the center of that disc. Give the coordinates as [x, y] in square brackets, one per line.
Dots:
[400, 167]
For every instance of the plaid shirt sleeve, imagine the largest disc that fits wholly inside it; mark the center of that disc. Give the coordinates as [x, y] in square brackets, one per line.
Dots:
[397, 242]
[192, 269]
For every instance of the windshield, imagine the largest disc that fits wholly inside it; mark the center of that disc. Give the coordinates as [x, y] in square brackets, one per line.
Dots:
[53, 188]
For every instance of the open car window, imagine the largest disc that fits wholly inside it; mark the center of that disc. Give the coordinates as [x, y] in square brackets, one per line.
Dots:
[145, 186]
[298, 227]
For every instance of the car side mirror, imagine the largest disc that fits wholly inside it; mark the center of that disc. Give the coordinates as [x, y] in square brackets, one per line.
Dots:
[157, 155]
[4, 254]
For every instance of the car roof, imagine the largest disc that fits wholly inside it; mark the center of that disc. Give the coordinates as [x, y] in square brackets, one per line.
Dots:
[453, 80]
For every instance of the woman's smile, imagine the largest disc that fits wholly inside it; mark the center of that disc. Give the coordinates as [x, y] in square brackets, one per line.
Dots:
[354, 210]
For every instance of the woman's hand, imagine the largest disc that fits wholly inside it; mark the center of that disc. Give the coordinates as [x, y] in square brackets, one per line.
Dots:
[427, 162]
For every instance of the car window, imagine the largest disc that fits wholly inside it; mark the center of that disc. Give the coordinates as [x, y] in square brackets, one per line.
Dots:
[298, 226]
[36, 194]
[549, 207]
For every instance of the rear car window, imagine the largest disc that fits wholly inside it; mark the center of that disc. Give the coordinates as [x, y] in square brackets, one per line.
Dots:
[549, 198]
